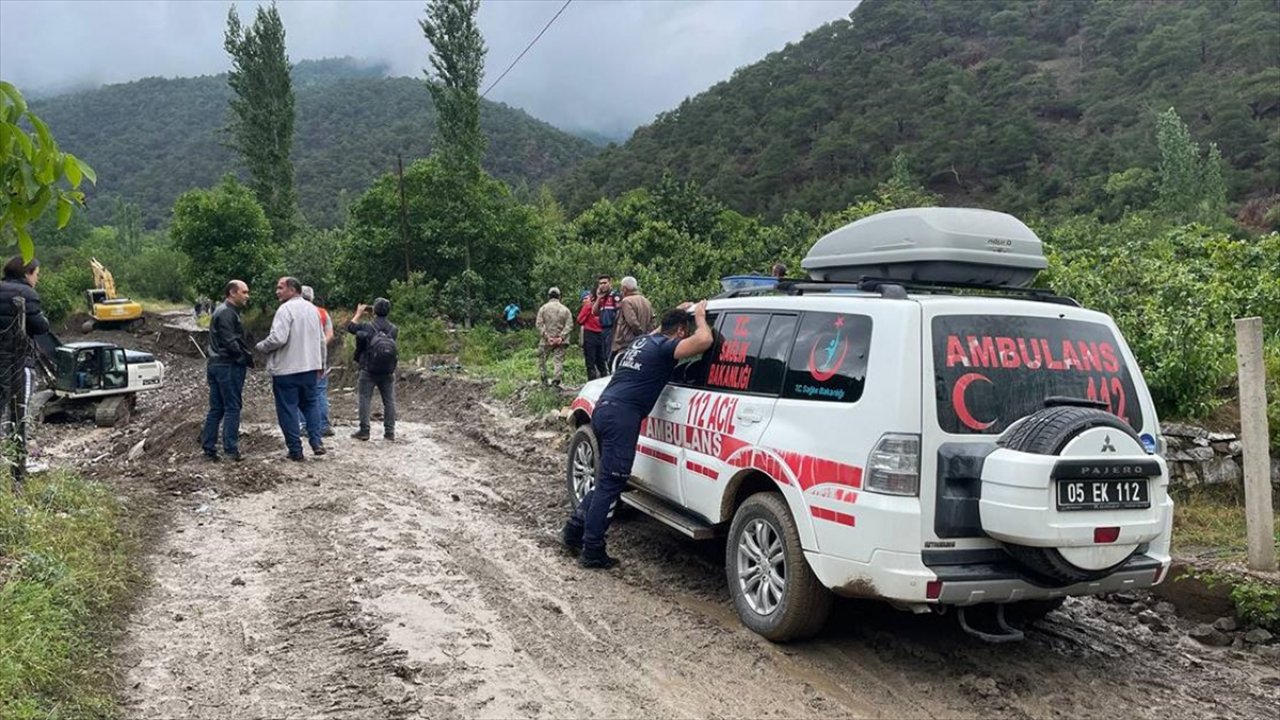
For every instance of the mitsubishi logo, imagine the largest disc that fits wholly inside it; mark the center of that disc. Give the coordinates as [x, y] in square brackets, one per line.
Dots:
[1106, 445]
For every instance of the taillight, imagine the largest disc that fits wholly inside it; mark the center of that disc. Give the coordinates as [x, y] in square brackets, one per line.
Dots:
[894, 465]
[1103, 535]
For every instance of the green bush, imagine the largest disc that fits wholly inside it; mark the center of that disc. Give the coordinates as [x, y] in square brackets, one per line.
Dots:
[62, 291]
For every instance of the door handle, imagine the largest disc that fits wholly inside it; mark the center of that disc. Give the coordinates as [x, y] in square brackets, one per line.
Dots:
[672, 405]
[748, 415]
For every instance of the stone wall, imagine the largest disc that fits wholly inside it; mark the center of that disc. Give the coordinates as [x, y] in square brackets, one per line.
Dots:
[1197, 456]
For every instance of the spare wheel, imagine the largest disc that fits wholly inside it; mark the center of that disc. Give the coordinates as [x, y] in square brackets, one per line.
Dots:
[1019, 505]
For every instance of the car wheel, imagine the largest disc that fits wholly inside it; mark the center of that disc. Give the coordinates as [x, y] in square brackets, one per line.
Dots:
[584, 459]
[774, 590]
[1046, 432]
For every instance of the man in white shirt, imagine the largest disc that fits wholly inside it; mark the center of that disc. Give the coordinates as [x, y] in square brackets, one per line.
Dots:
[295, 359]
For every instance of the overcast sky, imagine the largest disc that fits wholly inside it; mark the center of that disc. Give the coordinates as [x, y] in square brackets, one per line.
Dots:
[604, 65]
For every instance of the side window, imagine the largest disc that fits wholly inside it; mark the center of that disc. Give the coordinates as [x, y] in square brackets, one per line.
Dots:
[829, 358]
[693, 372]
[771, 366]
[733, 359]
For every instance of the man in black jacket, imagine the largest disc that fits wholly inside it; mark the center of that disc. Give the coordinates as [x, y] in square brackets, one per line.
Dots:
[229, 357]
[17, 355]
[377, 366]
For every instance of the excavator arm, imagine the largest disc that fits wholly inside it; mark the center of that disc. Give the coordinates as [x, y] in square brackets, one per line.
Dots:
[103, 279]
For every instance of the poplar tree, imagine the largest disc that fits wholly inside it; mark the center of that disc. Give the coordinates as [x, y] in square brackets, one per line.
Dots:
[457, 65]
[261, 126]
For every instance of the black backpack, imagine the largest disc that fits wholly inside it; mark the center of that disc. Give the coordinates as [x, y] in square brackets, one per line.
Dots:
[380, 356]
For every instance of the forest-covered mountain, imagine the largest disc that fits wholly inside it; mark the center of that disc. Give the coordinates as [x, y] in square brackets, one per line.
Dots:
[1017, 103]
[153, 139]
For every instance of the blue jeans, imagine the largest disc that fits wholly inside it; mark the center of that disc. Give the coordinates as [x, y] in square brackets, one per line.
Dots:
[322, 397]
[226, 389]
[296, 399]
[617, 429]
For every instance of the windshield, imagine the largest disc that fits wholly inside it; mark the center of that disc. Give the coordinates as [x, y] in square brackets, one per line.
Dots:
[991, 370]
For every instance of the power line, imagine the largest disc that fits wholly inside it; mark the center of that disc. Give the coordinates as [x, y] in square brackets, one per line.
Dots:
[527, 47]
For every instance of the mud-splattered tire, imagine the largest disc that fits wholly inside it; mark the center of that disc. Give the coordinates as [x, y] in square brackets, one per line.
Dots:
[1029, 611]
[774, 591]
[583, 463]
[1047, 432]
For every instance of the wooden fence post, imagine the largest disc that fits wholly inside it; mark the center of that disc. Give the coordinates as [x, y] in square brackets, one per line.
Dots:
[1259, 517]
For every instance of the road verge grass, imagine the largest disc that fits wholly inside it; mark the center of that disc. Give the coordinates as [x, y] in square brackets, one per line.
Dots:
[66, 564]
[1209, 534]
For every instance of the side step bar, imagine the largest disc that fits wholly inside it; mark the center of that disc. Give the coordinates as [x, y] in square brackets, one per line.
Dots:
[665, 513]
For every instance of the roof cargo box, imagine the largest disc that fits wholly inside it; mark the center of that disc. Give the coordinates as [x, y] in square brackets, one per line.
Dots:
[935, 245]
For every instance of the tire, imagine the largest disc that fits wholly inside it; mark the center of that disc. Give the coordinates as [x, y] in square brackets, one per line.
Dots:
[582, 465]
[1046, 432]
[1029, 611]
[787, 605]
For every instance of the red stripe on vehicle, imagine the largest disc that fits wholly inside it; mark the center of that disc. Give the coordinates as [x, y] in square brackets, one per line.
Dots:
[582, 404]
[700, 469]
[831, 515]
[658, 454]
[810, 471]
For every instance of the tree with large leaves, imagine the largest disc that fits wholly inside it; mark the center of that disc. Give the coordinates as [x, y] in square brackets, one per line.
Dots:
[32, 172]
[261, 127]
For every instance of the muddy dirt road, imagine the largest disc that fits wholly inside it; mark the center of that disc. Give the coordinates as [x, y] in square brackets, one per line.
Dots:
[422, 578]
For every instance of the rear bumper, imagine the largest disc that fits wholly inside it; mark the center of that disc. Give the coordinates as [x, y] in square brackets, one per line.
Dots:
[968, 577]
[970, 584]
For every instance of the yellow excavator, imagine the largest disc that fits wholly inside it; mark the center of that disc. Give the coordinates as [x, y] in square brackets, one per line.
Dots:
[105, 307]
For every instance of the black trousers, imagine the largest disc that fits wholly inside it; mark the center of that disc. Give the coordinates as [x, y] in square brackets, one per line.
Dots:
[595, 350]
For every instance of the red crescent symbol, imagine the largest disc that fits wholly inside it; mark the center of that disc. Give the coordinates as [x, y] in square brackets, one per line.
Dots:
[835, 367]
[957, 401]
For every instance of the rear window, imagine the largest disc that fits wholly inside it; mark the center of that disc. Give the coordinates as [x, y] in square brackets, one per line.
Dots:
[993, 369]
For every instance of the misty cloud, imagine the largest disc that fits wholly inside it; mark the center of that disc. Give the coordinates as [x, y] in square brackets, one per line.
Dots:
[603, 66]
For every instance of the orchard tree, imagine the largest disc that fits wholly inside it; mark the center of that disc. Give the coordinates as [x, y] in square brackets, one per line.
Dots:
[226, 234]
[439, 221]
[32, 172]
[261, 127]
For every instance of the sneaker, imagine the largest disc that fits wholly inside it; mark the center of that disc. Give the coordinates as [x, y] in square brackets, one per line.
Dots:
[295, 458]
[596, 560]
[389, 437]
[360, 434]
[319, 450]
[233, 456]
[327, 432]
[211, 457]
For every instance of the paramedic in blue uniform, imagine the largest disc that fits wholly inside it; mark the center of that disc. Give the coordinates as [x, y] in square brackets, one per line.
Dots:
[643, 370]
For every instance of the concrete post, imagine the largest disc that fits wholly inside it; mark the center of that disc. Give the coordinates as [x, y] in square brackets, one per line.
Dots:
[1254, 438]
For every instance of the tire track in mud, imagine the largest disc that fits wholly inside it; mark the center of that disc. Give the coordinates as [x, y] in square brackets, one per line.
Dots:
[424, 578]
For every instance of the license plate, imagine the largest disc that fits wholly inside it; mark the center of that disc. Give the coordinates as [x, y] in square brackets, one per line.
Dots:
[1103, 495]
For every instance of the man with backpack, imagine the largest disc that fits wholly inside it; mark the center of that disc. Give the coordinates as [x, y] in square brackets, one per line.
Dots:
[376, 354]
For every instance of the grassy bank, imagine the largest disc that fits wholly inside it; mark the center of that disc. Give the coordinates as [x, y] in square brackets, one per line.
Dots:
[65, 564]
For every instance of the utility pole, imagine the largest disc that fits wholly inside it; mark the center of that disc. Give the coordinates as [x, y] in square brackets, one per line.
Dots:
[404, 216]
[1259, 519]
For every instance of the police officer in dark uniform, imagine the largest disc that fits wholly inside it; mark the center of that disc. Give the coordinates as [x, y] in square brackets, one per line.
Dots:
[642, 371]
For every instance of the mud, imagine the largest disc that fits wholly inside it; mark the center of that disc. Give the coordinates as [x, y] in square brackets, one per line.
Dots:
[423, 579]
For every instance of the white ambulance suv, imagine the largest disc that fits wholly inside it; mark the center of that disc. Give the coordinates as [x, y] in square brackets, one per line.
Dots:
[910, 424]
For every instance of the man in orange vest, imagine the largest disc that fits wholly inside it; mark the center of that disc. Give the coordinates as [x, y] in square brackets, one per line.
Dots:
[322, 386]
